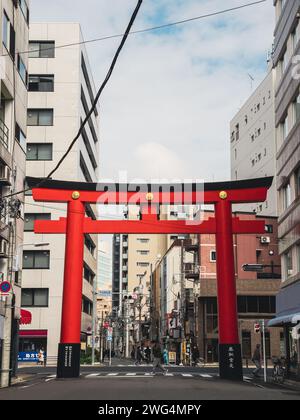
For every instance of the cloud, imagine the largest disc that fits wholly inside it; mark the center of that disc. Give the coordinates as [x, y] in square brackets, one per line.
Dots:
[168, 105]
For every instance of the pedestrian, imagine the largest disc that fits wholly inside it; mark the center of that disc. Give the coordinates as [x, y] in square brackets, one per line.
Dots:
[256, 359]
[148, 355]
[132, 354]
[41, 357]
[195, 355]
[157, 356]
[166, 356]
[139, 356]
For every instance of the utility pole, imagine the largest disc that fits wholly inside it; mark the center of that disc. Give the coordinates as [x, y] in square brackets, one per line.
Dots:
[182, 302]
[101, 335]
[94, 319]
[126, 309]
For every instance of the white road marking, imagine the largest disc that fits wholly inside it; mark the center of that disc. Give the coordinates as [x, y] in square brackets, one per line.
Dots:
[188, 375]
[113, 374]
[92, 375]
[131, 374]
[204, 375]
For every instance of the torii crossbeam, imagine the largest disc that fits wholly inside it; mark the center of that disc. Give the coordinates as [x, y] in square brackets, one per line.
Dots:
[149, 197]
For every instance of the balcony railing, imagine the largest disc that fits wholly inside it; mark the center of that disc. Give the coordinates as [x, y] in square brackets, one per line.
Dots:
[4, 134]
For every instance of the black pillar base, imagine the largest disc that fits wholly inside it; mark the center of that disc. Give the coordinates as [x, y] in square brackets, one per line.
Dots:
[68, 362]
[230, 362]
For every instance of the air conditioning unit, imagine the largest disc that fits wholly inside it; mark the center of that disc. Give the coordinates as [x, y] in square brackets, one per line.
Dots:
[265, 240]
[4, 173]
[3, 248]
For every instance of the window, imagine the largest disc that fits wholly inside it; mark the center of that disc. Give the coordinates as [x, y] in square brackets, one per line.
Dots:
[213, 256]
[22, 70]
[287, 196]
[88, 274]
[25, 10]
[41, 83]
[84, 169]
[89, 244]
[40, 117]
[30, 218]
[142, 264]
[88, 83]
[237, 132]
[8, 35]
[257, 304]
[6, 31]
[39, 151]
[297, 175]
[35, 297]
[288, 264]
[36, 260]
[90, 121]
[142, 252]
[269, 228]
[143, 240]
[296, 109]
[41, 49]
[20, 137]
[87, 306]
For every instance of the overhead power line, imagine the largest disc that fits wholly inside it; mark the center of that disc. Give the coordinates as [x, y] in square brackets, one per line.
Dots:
[150, 29]
[108, 76]
[125, 36]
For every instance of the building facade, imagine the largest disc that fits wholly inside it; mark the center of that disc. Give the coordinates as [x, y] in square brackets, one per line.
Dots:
[253, 143]
[61, 92]
[195, 322]
[13, 129]
[287, 122]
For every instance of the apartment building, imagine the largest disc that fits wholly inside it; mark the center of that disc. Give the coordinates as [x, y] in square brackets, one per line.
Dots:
[253, 143]
[61, 91]
[13, 129]
[198, 316]
[287, 122]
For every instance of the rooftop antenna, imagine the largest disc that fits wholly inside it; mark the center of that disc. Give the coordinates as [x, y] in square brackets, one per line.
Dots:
[251, 80]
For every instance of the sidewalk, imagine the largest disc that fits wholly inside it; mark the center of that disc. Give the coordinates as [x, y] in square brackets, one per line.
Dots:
[287, 384]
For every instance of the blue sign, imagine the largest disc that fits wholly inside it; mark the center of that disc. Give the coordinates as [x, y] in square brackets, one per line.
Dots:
[5, 287]
[28, 356]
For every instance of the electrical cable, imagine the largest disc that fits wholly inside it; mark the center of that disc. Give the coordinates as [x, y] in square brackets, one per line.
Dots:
[125, 36]
[108, 76]
[150, 29]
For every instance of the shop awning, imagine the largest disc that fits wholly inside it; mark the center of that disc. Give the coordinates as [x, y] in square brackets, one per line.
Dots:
[25, 317]
[33, 333]
[283, 320]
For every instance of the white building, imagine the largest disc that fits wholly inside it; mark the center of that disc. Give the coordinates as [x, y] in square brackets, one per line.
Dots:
[13, 87]
[253, 143]
[61, 92]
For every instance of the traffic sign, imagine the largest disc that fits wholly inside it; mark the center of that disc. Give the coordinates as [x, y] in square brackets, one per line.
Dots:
[5, 288]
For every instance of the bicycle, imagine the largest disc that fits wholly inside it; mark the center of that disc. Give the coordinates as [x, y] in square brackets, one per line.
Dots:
[200, 362]
[279, 370]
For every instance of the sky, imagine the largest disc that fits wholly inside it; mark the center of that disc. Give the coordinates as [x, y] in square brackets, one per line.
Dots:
[166, 111]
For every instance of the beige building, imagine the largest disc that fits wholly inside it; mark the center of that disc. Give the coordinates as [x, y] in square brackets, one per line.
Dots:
[253, 144]
[287, 121]
[61, 92]
[13, 73]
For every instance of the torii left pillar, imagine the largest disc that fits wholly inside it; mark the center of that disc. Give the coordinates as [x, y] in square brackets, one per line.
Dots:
[68, 363]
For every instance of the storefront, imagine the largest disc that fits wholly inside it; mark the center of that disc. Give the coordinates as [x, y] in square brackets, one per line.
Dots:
[288, 316]
[30, 343]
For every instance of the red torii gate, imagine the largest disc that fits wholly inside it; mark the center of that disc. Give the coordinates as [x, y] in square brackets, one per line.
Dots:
[149, 197]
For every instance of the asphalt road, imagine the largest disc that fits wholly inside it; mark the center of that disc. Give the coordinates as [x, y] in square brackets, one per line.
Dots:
[136, 383]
